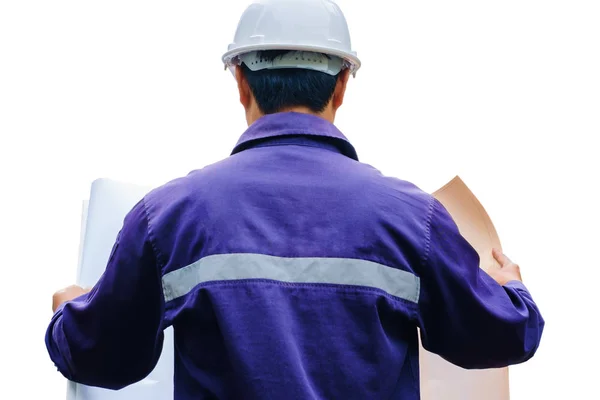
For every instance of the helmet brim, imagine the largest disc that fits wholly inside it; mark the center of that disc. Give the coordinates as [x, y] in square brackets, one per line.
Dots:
[351, 59]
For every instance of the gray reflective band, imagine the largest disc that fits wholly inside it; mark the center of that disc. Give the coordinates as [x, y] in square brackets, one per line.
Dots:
[338, 271]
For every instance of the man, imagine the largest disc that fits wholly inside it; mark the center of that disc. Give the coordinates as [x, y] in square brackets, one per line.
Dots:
[290, 270]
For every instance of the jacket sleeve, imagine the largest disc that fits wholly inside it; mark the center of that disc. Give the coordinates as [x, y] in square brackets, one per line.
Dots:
[112, 337]
[464, 315]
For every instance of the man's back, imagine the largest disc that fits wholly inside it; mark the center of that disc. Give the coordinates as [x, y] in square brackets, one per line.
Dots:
[288, 274]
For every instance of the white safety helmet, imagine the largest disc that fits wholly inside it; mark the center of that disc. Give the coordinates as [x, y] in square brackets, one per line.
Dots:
[315, 32]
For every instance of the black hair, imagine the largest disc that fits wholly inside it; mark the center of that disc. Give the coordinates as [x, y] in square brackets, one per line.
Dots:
[279, 89]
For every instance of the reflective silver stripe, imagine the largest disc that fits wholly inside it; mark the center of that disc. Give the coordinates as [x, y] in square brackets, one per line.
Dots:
[338, 271]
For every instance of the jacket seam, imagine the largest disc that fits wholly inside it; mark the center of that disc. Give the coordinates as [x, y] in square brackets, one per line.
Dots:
[151, 238]
[157, 254]
[427, 246]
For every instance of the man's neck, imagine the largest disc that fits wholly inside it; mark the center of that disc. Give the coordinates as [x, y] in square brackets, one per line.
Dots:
[327, 114]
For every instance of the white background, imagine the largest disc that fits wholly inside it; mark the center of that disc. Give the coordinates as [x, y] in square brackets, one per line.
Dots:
[505, 93]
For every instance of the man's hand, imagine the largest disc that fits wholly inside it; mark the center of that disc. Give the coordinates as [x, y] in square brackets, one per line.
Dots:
[508, 271]
[67, 294]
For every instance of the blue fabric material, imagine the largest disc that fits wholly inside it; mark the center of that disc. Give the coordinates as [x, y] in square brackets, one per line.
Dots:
[292, 188]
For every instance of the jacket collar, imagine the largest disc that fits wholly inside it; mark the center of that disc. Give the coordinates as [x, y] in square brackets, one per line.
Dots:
[292, 127]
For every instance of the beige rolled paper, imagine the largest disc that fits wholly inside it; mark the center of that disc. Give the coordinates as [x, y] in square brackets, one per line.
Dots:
[441, 380]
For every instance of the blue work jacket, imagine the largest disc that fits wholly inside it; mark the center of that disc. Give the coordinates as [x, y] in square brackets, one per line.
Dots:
[290, 270]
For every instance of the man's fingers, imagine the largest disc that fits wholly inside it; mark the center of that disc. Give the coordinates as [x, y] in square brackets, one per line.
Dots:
[68, 294]
[501, 258]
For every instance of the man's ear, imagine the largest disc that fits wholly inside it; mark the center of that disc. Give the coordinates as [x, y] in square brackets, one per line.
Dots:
[243, 87]
[340, 89]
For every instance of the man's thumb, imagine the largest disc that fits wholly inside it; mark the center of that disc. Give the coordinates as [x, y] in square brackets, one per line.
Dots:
[501, 257]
